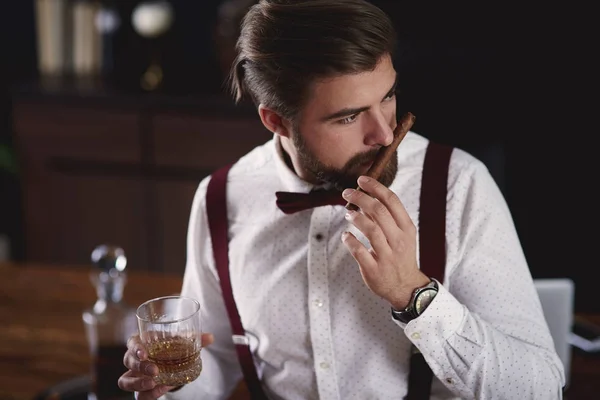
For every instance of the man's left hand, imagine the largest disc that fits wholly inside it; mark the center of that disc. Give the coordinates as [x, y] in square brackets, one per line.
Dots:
[389, 268]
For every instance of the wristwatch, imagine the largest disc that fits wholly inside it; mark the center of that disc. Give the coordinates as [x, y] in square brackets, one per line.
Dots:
[419, 301]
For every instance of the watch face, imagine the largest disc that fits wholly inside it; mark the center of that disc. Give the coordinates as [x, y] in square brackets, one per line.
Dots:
[423, 300]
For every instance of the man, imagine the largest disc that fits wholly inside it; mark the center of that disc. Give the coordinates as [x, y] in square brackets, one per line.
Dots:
[314, 288]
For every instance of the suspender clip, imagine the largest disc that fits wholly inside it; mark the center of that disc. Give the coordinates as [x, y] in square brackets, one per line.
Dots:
[240, 340]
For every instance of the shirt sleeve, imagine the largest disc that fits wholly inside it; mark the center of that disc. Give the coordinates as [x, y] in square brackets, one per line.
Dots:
[220, 366]
[484, 335]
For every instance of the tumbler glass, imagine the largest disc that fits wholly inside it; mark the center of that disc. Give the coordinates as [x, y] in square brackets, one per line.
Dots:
[170, 328]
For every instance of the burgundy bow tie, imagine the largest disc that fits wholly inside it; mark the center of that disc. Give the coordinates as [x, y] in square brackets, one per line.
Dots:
[291, 202]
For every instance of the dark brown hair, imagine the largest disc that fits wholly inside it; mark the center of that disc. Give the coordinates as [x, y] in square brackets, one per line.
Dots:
[285, 45]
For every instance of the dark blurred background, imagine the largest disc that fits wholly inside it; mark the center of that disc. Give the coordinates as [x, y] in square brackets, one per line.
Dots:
[107, 142]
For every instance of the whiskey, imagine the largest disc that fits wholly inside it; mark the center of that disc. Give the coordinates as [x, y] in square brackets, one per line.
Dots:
[177, 358]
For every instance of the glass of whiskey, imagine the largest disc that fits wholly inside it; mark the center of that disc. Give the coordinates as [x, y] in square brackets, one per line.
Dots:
[170, 328]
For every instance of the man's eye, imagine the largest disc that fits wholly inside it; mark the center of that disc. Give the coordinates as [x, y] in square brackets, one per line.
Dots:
[349, 120]
[390, 96]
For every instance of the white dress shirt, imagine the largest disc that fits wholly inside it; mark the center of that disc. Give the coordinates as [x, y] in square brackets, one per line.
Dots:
[317, 332]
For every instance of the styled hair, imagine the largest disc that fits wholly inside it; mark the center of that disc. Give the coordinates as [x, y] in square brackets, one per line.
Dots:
[285, 45]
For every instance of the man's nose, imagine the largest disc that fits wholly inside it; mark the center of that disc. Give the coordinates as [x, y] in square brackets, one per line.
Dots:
[380, 132]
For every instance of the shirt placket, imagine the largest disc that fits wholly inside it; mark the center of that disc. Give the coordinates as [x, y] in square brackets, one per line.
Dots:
[318, 299]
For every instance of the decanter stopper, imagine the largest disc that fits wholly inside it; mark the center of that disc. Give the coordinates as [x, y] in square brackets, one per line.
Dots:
[109, 259]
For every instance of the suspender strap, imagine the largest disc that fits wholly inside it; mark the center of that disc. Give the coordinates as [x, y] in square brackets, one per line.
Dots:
[420, 377]
[432, 248]
[216, 209]
[432, 212]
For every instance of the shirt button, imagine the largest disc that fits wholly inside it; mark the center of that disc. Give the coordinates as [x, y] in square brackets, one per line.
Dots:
[319, 237]
[319, 303]
[449, 381]
[324, 365]
[416, 335]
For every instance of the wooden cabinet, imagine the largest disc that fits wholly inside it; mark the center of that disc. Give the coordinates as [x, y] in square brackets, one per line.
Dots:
[99, 172]
[203, 142]
[188, 148]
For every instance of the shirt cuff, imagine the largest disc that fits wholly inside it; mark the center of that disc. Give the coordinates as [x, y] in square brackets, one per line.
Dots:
[440, 320]
[183, 392]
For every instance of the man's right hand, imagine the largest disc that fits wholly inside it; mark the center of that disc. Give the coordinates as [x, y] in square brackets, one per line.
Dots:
[140, 377]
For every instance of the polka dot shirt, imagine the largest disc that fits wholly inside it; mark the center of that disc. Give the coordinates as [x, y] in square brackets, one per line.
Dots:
[317, 332]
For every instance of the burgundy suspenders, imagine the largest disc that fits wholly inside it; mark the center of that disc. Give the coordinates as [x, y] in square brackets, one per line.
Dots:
[432, 212]
[432, 232]
[432, 248]
[216, 208]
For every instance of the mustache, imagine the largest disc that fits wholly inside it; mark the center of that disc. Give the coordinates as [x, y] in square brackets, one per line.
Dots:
[360, 159]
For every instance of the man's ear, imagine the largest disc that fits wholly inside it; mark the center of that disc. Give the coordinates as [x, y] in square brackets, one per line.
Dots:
[274, 122]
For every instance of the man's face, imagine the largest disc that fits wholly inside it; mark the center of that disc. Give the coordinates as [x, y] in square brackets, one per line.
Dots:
[345, 122]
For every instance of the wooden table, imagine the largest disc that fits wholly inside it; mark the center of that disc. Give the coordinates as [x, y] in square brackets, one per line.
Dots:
[42, 338]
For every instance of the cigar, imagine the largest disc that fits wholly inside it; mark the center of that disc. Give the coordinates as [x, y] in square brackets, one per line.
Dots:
[385, 153]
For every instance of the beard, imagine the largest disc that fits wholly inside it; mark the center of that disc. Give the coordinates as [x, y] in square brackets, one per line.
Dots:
[345, 177]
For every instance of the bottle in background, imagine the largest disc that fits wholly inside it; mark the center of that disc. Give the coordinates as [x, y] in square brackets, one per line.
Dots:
[109, 323]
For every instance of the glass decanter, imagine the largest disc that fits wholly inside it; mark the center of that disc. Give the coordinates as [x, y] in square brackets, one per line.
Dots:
[108, 323]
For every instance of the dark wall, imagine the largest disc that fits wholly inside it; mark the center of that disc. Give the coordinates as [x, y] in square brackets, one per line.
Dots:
[18, 64]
